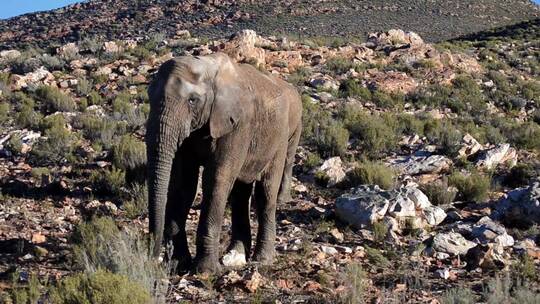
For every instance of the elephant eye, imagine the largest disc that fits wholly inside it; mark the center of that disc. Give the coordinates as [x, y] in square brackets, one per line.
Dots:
[193, 100]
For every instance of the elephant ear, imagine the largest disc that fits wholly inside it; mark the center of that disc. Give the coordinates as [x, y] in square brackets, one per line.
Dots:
[226, 110]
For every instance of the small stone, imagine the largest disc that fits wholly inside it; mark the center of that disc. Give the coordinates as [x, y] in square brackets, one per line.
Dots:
[38, 238]
[329, 250]
[253, 281]
[333, 169]
[443, 273]
[40, 251]
[234, 259]
[452, 243]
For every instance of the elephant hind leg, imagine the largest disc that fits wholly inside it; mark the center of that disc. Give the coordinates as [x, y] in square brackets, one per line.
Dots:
[182, 192]
[284, 195]
[241, 232]
[266, 191]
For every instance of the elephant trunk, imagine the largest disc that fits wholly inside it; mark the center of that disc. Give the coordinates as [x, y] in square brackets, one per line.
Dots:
[166, 129]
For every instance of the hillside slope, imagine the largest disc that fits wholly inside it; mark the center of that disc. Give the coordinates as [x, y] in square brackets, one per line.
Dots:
[435, 20]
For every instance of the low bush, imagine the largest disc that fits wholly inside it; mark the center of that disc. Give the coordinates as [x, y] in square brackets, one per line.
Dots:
[55, 100]
[129, 153]
[473, 187]
[59, 144]
[376, 134]
[100, 287]
[4, 112]
[99, 244]
[352, 88]
[339, 65]
[438, 193]
[520, 175]
[372, 173]
[356, 281]
[138, 203]
[458, 295]
[108, 182]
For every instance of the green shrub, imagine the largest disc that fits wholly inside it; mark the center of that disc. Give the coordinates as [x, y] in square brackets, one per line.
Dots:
[312, 161]
[525, 268]
[321, 130]
[372, 173]
[100, 287]
[386, 100]
[129, 153]
[59, 144]
[445, 135]
[438, 193]
[380, 231]
[458, 295]
[54, 99]
[377, 135]
[321, 178]
[352, 88]
[23, 294]
[26, 117]
[108, 181]
[52, 63]
[332, 139]
[356, 281]
[299, 77]
[98, 244]
[84, 86]
[376, 257]
[94, 98]
[506, 290]
[15, 144]
[91, 45]
[4, 112]
[138, 203]
[101, 129]
[520, 175]
[473, 187]
[339, 65]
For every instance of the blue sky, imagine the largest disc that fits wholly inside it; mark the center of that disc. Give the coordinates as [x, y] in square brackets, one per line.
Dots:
[12, 8]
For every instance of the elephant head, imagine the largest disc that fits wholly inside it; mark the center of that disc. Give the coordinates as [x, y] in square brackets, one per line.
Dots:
[186, 94]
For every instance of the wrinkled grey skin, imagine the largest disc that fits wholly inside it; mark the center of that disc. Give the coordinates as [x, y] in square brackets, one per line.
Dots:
[242, 127]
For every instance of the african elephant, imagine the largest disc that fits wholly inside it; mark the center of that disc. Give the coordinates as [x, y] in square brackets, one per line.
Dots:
[242, 127]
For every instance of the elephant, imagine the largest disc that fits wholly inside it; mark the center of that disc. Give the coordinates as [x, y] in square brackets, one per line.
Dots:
[242, 126]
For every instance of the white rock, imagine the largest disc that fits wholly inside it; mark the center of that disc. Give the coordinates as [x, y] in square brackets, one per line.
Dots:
[521, 205]
[9, 54]
[434, 215]
[487, 231]
[497, 155]
[443, 273]
[366, 205]
[469, 146]
[452, 243]
[234, 258]
[421, 164]
[329, 250]
[333, 168]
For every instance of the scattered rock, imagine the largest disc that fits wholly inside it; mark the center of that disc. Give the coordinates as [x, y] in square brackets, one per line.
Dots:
[420, 163]
[252, 281]
[502, 153]
[333, 169]
[487, 231]
[452, 243]
[520, 207]
[234, 258]
[469, 146]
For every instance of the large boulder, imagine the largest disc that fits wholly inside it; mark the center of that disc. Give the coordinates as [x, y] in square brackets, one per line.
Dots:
[499, 154]
[520, 207]
[487, 231]
[243, 47]
[368, 204]
[452, 243]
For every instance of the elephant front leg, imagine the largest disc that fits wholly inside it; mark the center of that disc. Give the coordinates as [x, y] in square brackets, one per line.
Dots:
[240, 245]
[217, 185]
[182, 192]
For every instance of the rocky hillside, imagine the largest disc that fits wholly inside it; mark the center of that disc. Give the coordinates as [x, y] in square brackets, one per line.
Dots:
[112, 19]
[417, 178]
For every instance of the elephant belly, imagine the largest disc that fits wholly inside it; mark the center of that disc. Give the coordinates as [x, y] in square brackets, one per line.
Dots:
[259, 157]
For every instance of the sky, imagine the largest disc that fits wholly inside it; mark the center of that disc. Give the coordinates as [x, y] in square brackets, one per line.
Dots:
[11, 8]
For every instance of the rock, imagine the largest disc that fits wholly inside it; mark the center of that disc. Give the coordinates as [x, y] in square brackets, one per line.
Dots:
[443, 273]
[394, 37]
[40, 251]
[39, 76]
[111, 47]
[28, 139]
[502, 153]
[487, 257]
[520, 207]
[420, 163]
[324, 82]
[182, 34]
[38, 238]
[242, 48]
[252, 281]
[452, 243]
[292, 59]
[469, 146]
[9, 54]
[487, 231]
[333, 169]
[95, 207]
[392, 82]
[103, 70]
[234, 258]
[434, 215]
[366, 205]
[329, 250]
[337, 235]
[69, 50]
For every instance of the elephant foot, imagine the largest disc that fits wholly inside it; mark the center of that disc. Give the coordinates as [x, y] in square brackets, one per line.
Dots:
[207, 264]
[284, 198]
[264, 256]
[184, 264]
